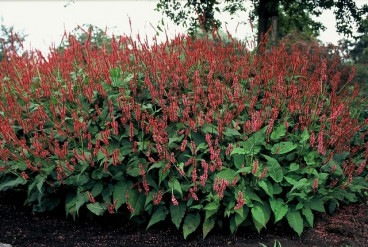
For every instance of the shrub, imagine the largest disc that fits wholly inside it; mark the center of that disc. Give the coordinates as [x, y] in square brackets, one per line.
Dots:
[189, 130]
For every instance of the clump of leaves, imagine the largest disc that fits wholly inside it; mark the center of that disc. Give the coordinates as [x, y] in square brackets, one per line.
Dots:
[200, 132]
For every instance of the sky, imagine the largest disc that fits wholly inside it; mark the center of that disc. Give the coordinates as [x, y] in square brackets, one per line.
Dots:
[45, 21]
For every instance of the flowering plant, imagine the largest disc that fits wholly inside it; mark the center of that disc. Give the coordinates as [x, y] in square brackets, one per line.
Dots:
[197, 131]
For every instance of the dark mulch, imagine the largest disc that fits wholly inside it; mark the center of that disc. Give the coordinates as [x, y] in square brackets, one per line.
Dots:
[20, 227]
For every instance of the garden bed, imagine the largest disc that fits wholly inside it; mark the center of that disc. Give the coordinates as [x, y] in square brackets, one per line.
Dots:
[20, 227]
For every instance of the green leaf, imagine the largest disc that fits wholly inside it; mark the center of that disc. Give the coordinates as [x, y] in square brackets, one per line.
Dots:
[175, 185]
[238, 151]
[70, 202]
[299, 184]
[209, 129]
[227, 174]
[212, 205]
[82, 198]
[307, 212]
[258, 215]
[267, 187]
[293, 167]
[238, 160]
[40, 183]
[208, 225]
[209, 213]
[137, 201]
[317, 205]
[191, 223]
[295, 220]
[157, 216]
[261, 215]
[176, 139]
[159, 164]
[283, 147]
[97, 208]
[119, 192]
[253, 144]
[11, 182]
[278, 132]
[231, 132]
[305, 136]
[77, 180]
[97, 189]
[279, 208]
[177, 213]
[274, 169]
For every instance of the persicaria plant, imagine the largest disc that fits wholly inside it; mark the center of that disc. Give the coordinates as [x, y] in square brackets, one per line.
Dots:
[202, 133]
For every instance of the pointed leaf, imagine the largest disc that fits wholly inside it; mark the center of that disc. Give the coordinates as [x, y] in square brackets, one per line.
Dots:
[279, 208]
[191, 223]
[295, 220]
[283, 147]
[227, 174]
[208, 225]
[278, 132]
[177, 213]
[97, 208]
[274, 169]
[120, 191]
[157, 216]
[267, 187]
[175, 185]
[307, 212]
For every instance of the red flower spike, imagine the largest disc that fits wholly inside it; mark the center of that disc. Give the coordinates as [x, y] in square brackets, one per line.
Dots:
[315, 185]
[174, 201]
[255, 167]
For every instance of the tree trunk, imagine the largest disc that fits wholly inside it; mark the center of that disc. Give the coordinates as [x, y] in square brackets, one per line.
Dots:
[274, 29]
[268, 13]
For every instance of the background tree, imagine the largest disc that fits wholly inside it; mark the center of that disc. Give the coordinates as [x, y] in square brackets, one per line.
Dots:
[358, 51]
[294, 14]
[88, 33]
[10, 39]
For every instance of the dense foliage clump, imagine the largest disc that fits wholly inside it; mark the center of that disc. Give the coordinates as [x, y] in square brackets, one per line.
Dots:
[199, 131]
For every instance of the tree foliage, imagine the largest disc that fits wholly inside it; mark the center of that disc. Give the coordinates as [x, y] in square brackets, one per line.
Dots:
[10, 39]
[294, 15]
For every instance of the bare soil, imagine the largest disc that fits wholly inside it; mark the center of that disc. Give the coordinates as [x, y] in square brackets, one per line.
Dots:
[348, 226]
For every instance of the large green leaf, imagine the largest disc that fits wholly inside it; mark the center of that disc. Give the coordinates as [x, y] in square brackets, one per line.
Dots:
[227, 174]
[191, 223]
[307, 212]
[97, 189]
[137, 201]
[208, 225]
[238, 160]
[174, 184]
[231, 132]
[119, 192]
[274, 169]
[212, 205]
[177, 213]
[317, 205]
[267, 187]
[254, 143]
[278, 132]
[283, 147]
[77, 180]
[295, 220]
[261, 214]
[97, 208]
[11, 182]
[279, 208]
[157, 216]
[305, 136]
[299, 184]
[258, 215]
